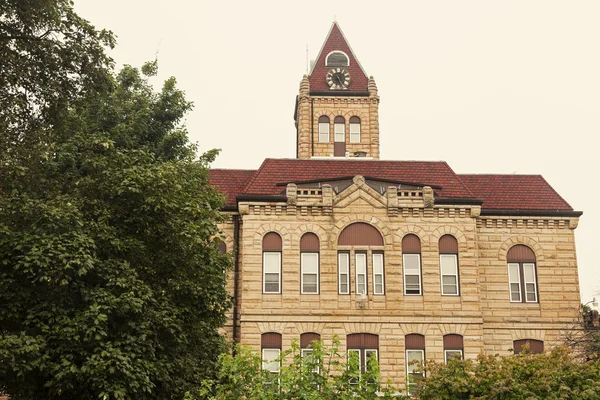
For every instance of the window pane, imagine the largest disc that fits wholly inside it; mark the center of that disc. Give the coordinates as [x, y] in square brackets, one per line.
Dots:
[377, 263]
[354, 132]
[412, 284]
[449, 354]
[531, 295]
[449, 264]
[309, 283]
[269, 357]
[343, 267]
[411, 263]
[513, 273]
[515, 292]
[323, 132]
[361, 263]
[529, 272]
[272, 283]
[413, 355]
[339, 132]
[272, 262]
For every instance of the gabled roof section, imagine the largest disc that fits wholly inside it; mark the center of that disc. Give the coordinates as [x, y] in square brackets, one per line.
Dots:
[268, 179]
[515, 192]
[337, 41]
[230, 182]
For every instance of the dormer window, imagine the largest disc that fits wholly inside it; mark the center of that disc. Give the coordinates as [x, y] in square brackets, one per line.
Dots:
[337, 59]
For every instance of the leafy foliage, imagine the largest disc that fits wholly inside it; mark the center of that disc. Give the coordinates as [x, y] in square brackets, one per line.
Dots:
[550, 375]
[110, 281]
[325, 374]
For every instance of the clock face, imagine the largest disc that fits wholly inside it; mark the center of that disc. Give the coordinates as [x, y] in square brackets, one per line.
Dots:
[338, 79]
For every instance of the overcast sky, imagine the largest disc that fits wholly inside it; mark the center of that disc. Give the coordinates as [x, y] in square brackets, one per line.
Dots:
[488, 86]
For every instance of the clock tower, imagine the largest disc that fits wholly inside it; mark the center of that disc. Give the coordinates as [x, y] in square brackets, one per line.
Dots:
[337, 109]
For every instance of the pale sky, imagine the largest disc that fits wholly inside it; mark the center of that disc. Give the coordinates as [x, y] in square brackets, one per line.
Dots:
[487, 86]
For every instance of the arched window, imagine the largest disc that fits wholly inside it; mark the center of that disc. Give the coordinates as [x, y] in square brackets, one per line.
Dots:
[337, 59]
[324, 129]
[354, 130]
[449, 265]
[339, 137]
[522, 279]
[411, 261]
[360, 237]
[415, 355]
[270, 344]
[309, 263]
[535, 346]
[453, 347]
[272, 263]
[365, 345]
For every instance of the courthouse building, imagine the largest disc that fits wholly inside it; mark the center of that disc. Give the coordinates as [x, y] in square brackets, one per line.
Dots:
[406, 260]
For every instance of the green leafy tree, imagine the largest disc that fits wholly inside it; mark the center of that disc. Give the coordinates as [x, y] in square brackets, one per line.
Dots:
[111, 285]
[554, 374]
[324, 374]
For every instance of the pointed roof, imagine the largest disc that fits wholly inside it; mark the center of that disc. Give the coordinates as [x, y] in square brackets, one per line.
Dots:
[337, 41]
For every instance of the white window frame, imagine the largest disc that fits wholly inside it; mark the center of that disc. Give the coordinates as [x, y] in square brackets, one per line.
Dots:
[448, 353]
[304, 257]
[266, 255]
[268, 363]
[378, 271]
[404, 263]
[324, 132]
[531, 282]
[339, 132]
[360, 272]
[511, 281]
[354, 132]
[409, 368]
[344, 269]
[454, 258]
[367, 353]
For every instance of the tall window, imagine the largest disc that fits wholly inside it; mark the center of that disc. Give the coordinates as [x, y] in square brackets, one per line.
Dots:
[378, 281]
[522, 281]
[366, 346]
[309, 263]
[361, 272]
[415, 355]
[306, 343]
[411, 260]
[359, 242]
[270, 344]
[535, 346]
[272, 263]
[449, 265]
[344, 272]
[453, 347]
[323, 129]
[354, 130]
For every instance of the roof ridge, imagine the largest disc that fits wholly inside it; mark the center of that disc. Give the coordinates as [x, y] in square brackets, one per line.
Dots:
[256, 173]
[459, 180]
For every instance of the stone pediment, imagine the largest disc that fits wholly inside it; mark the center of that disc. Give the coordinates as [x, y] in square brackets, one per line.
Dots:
[359, 193]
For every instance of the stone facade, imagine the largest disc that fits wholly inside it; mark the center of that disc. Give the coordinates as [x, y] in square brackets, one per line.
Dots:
[482, 314]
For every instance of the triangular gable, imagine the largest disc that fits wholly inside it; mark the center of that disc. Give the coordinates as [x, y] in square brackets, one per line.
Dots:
[337, 41]
[359, 190]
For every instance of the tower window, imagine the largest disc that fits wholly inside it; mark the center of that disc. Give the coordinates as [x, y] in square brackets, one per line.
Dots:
[354, 130]
[337, 59]
[323, 129]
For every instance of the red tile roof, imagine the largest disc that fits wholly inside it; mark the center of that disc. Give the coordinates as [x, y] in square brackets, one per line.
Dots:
[230, 182]
[515, 192]
[498, 192]
[336, 41]
[282, 171]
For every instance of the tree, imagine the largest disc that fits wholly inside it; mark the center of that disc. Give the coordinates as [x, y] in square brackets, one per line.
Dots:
[551, 375]
[325, 374]
[111, 284]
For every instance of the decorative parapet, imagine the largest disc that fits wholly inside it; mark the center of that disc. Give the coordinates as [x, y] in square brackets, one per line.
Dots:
[392, 200]
[373, 92]
[428, 200]
[291, 192]
[304, 87]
